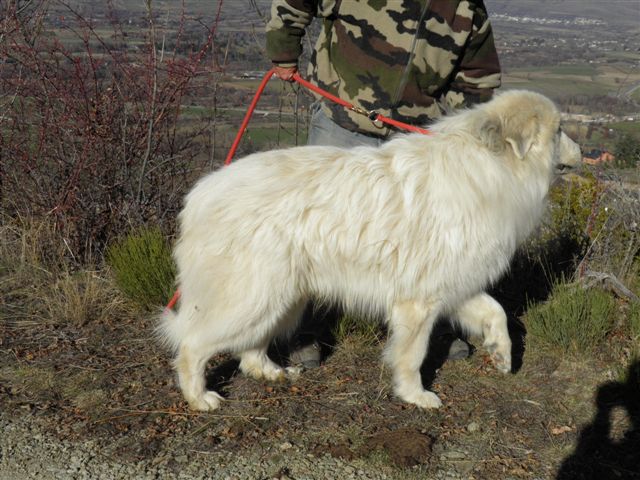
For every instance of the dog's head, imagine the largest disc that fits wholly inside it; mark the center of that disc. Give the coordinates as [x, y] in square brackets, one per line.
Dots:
[525, 126]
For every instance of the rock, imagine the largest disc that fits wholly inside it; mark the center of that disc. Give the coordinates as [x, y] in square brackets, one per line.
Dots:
[473, 427]
[453, 455]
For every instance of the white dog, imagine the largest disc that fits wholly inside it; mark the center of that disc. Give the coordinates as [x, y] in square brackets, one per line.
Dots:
[415, 228]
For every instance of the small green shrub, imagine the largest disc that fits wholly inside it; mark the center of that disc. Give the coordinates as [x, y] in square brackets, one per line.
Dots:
[143, 267]
[574, 320]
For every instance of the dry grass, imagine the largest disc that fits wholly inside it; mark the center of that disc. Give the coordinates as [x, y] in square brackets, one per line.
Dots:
[82, 297]
[26, 265]
[40, 284]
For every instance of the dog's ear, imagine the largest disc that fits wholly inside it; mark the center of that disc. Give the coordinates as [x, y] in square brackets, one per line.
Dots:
[516, 131]
[520, 131]
[521, 143]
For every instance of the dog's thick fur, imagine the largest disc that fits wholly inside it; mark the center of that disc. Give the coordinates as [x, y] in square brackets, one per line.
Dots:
[416, 228]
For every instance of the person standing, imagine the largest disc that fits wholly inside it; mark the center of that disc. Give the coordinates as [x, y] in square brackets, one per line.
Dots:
[409, 60]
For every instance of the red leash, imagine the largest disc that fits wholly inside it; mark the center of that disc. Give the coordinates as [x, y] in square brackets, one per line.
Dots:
[247, 116]
[371, 115]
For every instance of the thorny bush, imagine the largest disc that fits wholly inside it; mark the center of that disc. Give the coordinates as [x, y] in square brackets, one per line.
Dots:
[88, 127]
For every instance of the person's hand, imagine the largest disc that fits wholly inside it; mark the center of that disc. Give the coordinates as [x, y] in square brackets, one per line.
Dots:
[285, 73]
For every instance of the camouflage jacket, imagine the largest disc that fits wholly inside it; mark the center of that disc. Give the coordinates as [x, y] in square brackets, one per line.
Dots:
[406, 59]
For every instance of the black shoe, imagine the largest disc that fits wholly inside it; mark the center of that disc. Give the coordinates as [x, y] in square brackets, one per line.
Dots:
[308, 355]
[458, 350]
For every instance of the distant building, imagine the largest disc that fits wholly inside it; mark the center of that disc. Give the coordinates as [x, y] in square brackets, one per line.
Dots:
[598, 157]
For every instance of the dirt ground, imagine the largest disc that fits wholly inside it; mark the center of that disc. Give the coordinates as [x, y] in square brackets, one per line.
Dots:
[111, 384]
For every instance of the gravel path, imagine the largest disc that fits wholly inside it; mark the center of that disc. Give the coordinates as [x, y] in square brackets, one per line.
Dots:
[26, 452]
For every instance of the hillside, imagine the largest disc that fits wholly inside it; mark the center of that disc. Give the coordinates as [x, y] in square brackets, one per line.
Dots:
[614, 14]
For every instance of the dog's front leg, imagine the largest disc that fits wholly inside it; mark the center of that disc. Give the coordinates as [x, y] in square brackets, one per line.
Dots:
[411, 323]
[482, 315]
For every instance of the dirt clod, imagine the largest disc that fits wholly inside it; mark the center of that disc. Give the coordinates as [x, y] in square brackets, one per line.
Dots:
[406, 447]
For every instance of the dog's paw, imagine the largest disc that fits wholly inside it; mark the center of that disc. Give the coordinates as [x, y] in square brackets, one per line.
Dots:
[206, 402]
[501, 361]
[423, 399]
[263, 371]
[294, 372]
[501, 357]
[274, 374]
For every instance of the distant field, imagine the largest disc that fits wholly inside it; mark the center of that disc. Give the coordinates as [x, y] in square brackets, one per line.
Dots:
[580, 70]
[601, 137]
[632, 128]
[574, 79]
[269, 135]
[555, 87]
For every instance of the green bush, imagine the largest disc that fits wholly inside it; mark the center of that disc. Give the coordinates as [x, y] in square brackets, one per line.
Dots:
[574, 320]
[143, 267]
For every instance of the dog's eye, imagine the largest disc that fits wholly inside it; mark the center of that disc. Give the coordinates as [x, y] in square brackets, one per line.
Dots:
[562, 168]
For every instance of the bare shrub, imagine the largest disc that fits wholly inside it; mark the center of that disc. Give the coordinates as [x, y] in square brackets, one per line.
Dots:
[600, 211]
[615, 234]
[634, 323]
[89, 131]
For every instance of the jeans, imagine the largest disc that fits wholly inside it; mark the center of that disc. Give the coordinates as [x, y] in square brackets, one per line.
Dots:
[324, 131]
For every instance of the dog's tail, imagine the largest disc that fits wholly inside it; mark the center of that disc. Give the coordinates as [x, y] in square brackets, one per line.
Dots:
[169, 329]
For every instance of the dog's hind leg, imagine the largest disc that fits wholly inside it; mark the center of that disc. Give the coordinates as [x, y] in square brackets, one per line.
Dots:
[411, 324]
[190, 364]
[246, 334]
[256, 363]
[482, 315]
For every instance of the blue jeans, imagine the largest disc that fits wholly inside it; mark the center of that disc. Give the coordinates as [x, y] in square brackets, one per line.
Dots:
[324, 131]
